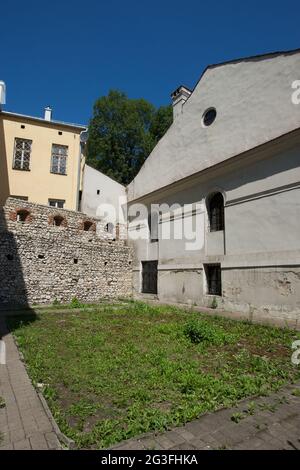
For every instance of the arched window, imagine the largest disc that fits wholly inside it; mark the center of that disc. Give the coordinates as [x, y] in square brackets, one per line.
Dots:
[215, 209]
[23, 215]
[109, 228]
[58, 220]
[88, 226]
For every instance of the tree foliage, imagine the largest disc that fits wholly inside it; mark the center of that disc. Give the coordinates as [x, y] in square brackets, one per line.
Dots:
[123, 132]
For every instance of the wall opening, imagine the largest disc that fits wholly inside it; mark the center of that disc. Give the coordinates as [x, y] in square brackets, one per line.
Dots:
[88, 226]
[58, 221]
[23, 215]
[149, 277]
[215, 209]
[109, 228]
[213, 279]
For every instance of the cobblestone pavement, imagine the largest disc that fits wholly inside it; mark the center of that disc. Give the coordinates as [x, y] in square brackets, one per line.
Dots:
[266, 423]
[24, 423]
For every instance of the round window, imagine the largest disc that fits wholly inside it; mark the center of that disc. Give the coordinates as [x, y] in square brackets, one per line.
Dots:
[209, 116]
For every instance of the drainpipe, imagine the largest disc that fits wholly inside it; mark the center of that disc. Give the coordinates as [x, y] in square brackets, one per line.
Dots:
[82, 141]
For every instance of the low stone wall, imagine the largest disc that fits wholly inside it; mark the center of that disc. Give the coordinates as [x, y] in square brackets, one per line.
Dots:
[41, 262]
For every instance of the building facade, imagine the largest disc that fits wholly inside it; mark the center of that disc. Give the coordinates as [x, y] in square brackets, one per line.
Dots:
[103, 197]
[223, 188]
[40, 160]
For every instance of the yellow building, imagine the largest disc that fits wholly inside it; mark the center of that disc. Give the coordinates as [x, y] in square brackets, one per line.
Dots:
[40, 159]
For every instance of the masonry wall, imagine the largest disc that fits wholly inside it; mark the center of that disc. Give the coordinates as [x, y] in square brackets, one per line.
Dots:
[41, 262]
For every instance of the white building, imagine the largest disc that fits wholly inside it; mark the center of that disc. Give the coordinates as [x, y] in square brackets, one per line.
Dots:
[103, 197]
[230, 161]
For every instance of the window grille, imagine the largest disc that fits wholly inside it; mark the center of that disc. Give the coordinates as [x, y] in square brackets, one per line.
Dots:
[22, 153]
[216, 212]
[59, 159]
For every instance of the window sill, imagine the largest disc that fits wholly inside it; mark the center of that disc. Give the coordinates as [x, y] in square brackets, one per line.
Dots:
[58, 174]
[21, 169]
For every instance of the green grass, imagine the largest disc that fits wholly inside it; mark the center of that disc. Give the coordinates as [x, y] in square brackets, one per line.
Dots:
[121, 370]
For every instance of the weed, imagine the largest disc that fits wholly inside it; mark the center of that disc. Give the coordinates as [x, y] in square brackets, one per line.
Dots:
[237, 417]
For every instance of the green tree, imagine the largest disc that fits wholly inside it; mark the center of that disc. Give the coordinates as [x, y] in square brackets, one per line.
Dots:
[122, 133]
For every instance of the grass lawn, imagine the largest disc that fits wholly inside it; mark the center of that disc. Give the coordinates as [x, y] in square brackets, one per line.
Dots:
[123, 369]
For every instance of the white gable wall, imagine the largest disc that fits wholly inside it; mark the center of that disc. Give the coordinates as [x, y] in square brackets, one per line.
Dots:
[253, 103]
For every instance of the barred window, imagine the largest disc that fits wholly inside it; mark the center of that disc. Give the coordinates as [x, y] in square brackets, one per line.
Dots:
[22, 153]
[216, 212]
[59, 159]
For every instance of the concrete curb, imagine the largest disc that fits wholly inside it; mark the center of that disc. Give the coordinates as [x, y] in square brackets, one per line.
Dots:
[61, 436]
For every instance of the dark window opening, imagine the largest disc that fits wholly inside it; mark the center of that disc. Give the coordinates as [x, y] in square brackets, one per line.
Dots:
[10, 257]
[75, 261]
[88, 226]
[109, 228]
[41, 256]
[59, 132]
[149, 277]
[58, 220]
[209, 116]
[23, 215]
[22, 126]
[153, 226]
[213, 279]
[216, 212]
[98, 192]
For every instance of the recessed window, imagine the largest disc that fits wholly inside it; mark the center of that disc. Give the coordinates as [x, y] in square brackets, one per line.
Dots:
[213, 279]
[22, 126]
[98, 192]
[41, 256]
[23, 215]
[153, 226]
[215, 207]
[59, 132]
[22, 153]
[88, 226]
[59, 159]
[75, 260]
[209, 116]
[59, 203]
[10, 257]
[109, 228]
[58, 221]
[149, 277]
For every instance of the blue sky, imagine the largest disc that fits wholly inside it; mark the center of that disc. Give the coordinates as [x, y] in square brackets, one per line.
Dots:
[67, 53]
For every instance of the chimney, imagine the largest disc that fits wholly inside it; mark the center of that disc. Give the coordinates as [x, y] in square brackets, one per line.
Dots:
[179, 97]
[2, 93]
[48, 113]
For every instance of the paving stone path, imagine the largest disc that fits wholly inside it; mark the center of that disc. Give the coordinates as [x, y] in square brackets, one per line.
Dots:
[24, 423]
[267, 423]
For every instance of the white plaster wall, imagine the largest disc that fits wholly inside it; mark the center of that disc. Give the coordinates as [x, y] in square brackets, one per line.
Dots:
[261, 251]
[111, 193]
[253, 102]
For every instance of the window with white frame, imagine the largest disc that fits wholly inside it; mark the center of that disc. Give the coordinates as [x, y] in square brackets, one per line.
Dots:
[59, 159]
[59, 203]
[22, 153]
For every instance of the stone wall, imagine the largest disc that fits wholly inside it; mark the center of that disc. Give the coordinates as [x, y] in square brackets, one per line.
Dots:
[41, 262]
